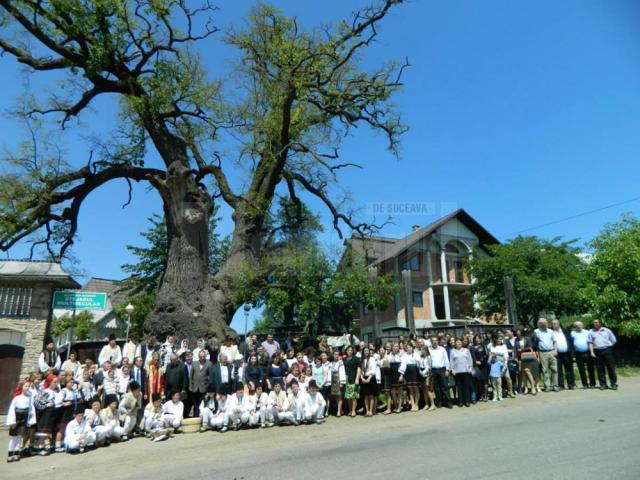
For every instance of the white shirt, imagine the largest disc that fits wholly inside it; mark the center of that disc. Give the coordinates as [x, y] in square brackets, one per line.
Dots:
[278, 400]
[439, 357]
[561, 341]
[501, 352]
[174, 409]
[21, 402]
[108, 354]
[132, 350]
[75, 431]
[42, 365]
[224, 374]
[315, 400]
[234, 403]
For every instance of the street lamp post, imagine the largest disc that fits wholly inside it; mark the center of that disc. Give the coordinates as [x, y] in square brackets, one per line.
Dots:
[129, 309]
[247, 308]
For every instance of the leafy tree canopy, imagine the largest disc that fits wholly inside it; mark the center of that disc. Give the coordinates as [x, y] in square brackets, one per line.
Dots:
[548, 276]
[81, 327]
[614, 295]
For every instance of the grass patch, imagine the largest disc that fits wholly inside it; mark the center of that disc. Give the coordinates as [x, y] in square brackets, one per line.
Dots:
[628, 371]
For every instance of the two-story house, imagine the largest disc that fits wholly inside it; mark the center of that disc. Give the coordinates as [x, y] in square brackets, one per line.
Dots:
[429, 265]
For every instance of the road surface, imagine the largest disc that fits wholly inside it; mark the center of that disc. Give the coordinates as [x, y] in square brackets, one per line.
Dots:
[569, 435]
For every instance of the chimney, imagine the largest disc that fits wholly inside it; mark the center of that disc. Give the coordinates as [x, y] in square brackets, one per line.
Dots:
[415, 228]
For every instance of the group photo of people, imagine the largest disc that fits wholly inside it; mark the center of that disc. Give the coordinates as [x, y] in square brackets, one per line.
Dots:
[155, 390]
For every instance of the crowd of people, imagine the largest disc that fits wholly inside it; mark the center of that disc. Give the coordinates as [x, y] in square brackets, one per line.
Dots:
[149, 389]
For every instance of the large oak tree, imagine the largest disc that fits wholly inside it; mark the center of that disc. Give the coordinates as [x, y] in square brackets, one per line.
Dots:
[293, 96]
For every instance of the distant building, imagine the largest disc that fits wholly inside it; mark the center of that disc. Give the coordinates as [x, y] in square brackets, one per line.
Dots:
[26, 294]
[430, 266]
[105, 322]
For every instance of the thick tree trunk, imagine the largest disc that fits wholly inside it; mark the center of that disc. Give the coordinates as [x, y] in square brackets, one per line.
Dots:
[190, 303]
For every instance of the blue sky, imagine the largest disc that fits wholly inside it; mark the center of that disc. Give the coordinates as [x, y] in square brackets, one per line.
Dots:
[520, 112]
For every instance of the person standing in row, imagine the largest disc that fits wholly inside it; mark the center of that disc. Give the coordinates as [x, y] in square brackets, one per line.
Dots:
[49, 360]
[110, 353]
[565, 355]
[352, 389]
[601, 341]
[584, 361]
[440, 368]
[462, 365]
[545, 339]
[199, 380]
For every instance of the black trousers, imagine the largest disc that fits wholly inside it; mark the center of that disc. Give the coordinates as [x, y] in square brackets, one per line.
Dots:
[463, 386]
[586, 364]
[197, 399]
[604, 358]
[188, 403]
[565, 370]
[440, 386]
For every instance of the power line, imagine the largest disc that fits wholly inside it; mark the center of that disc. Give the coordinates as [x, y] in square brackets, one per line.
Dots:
[573, 216]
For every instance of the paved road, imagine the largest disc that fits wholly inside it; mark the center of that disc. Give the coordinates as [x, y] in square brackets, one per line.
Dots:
[570, 435]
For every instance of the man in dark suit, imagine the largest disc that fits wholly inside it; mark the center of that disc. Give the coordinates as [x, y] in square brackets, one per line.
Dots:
[175, 379]
[188, 397]
[221, 376]
[199, 380]
[564, 347]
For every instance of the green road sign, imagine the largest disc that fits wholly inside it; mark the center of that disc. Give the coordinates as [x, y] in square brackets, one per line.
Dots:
[76, 300]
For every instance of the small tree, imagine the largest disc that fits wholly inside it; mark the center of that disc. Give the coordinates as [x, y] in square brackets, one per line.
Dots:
[81, 327]
[548, 276]
[615, 272]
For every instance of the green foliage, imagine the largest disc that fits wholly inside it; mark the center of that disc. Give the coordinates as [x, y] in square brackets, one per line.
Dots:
[547, 275]
[81, 328]
[143, 303]
[615, 274]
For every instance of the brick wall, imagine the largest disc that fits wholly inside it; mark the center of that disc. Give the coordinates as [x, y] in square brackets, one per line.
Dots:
[34, 326]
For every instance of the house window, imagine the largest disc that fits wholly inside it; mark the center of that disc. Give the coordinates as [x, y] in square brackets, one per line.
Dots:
[459, 267]
[417, 299]
[412, 264]
[15, 302]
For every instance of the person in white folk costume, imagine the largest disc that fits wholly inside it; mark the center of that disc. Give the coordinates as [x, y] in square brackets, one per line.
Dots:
[173, 412]
[49, 360]
[92, 416]
[263, 408]
[128, 408]
[20, 417]
[78, 434]
[153, 424]
[110, 418]
[110, 352]
[279, 405]
[239, 408]
[314, 404]
[296, 403]
[213, 412]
